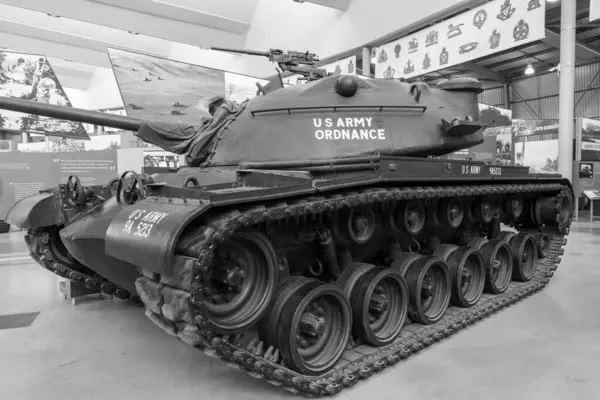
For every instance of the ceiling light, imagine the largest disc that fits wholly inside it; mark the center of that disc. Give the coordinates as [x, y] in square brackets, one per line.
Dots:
[552, 1]
[529, 70]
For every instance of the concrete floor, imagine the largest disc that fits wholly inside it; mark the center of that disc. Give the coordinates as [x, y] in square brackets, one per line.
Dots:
[543, 348]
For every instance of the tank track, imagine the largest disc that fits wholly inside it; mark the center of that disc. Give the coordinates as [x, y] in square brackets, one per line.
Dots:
[40, 249]
[172, 302]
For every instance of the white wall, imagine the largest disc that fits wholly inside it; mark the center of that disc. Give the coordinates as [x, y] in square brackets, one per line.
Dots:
[104, 91]
[326, 31]
[79, 98]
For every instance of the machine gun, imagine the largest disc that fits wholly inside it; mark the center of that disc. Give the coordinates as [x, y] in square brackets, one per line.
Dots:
[289, 61]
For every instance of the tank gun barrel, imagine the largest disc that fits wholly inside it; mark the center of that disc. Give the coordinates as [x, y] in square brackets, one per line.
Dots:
[240, 51]
[70, 114]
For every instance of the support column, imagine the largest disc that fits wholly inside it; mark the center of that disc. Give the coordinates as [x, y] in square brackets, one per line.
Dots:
[366, 61]
[25, 137]
[507, 96]
[566, 125]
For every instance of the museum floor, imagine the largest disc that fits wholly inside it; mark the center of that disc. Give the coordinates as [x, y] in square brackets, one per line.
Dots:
[545, 347]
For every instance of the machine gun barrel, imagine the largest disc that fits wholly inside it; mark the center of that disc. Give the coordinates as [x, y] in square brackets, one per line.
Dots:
[240, 51]
[70, 114]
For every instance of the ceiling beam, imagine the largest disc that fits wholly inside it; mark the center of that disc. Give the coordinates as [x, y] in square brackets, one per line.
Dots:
[581, 50]
[483, 71]
[34, 45]
[76, 73]
[540, 67]
[179, 13]
[71, 39]
[525, 56]
[341, 5]
[105, 17]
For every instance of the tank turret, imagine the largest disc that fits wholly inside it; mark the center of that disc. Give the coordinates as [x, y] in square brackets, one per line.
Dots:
[332, 117]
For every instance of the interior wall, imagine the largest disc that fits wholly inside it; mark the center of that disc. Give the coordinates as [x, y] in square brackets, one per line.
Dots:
[304, 26]
[103, 91]
[79, 98]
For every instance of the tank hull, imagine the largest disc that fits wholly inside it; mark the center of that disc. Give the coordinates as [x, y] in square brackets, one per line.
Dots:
[84, 240]
[167, 250]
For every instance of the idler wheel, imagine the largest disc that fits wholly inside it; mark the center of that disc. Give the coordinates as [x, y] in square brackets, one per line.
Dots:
[483, 209]
[498, 262]
[314, 327]
[241, 282]
[451, 212]
[525, 254]
[543, 242]
[410, 216]
[467, 271]
[379, 301]
[429, 288]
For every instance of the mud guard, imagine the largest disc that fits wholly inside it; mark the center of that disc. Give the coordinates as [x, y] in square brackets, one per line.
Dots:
[44, 209]
[146, 233]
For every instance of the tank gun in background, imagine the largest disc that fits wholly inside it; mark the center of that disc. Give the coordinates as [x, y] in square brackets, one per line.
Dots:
[295, 62]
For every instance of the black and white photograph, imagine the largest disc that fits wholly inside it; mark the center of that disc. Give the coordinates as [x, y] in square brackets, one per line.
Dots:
[30, 77]
[307, 199]
[586, 170]
[590, 140]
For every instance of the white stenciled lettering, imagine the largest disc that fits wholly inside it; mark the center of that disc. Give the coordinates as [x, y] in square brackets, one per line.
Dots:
[470, 169]
[141, 222]
[495, 171]
[352, 128]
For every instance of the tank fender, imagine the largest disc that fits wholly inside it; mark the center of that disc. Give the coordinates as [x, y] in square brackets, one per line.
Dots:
[43, 209]
[146, 233]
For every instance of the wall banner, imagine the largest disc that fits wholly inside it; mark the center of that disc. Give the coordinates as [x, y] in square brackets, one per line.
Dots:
[491, 28]
[345, 66]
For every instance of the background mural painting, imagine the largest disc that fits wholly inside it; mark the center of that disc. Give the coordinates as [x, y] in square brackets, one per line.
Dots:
[496, 26]
[536, 144]
[157, 88]
[30, 77]
[24, 174]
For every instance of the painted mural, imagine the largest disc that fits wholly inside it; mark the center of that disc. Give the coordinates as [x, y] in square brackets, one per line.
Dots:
[159, 89]
[30, 77]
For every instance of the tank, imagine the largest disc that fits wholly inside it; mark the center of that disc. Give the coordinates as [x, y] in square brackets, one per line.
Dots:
[318, 234]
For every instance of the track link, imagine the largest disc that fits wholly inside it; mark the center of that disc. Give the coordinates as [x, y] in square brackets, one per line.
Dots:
[175, 303]
[38, 242]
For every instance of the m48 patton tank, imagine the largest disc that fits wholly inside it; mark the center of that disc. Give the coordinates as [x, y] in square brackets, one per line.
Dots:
[311, 241]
